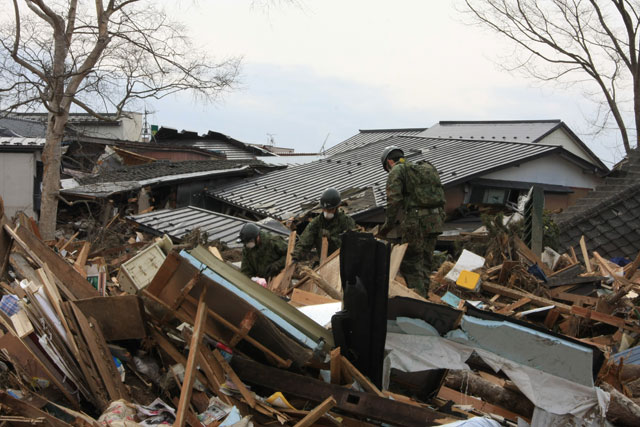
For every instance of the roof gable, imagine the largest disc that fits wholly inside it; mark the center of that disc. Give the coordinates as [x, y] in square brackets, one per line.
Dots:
[534, 131]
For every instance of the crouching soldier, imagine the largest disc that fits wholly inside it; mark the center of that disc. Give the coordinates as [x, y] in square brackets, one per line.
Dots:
[330, 224]
[264, 254]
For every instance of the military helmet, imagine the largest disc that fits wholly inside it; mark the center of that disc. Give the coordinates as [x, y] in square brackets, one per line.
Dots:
[386, 153]
[330, 199]
[248, 232]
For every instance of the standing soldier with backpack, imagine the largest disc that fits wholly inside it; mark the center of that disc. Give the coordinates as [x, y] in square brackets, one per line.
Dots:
[415, 198]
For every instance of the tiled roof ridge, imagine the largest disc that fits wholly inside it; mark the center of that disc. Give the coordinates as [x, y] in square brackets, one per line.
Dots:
[587, 212]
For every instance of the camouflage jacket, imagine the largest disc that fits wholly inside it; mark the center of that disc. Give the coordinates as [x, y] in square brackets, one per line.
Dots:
[414, 189]
[312, 235]
[266, 259]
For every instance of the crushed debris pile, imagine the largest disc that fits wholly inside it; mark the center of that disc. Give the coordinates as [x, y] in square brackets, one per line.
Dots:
[150, 331]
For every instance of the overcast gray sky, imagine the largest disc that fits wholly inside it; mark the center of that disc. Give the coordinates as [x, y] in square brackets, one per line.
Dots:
[327, 68]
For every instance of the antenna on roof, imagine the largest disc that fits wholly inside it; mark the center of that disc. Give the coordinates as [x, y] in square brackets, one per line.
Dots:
[324, 143]
[270, 139]
[146, 134]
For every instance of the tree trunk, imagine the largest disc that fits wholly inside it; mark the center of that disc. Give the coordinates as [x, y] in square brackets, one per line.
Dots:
[469, 383]
[51, 159]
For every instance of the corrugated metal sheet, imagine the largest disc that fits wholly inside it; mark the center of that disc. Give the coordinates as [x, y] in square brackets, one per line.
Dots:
[177, 223]
[368, 136]
[281, 193]
[231, 151]
[510, 131]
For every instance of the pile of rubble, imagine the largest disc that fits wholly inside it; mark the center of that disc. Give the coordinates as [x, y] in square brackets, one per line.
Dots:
[151, 332]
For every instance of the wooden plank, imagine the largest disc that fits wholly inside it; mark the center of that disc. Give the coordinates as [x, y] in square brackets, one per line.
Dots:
[507, 266]
[512, 307]
[598, 317]
[576, 299]
[190, 369]
[246, 394]
[324, 249]
[397, 255]
[10, 405]
[21, 324]
[574, 257]
[330, 288]
[91, 375]
[290, 247]
[173, 352]
[245, 326]
[396, 289]
[334, 366]
[212, 380]
[359, 403]
[551, 319]
[303, 298]
[69, 241]
[480, 405]
[62, 270]
[101, 355]
[524, 250]
[127, 324]
[632, 268]
[317, 412]
[585, 254]
[279, 360]
[516, 294]
[359, 376]
[81, 260]
[190, 417]
[215, 252]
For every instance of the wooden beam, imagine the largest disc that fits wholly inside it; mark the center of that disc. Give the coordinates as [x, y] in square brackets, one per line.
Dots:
[447, 393]
[585, 254]
[290, 247]
[516, 294]
[629, 272]
[214, 381]
[512, 307]
[302, 298]
[524, 250]
[190, 369]
[324, 249]
[317, 412]
[359, 403]
[61, 269]
[81, 260]
[359, 376]
[334, 366]
[248, 397]
[245, 326]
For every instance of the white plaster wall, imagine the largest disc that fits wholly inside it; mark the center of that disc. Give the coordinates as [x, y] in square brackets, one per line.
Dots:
[17, 171]
[548, 170]
[130, 128]
[560, 137]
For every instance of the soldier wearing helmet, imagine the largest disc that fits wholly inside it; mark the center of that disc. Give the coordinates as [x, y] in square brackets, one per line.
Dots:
[264, 254]
[332, 223]
[415, 200]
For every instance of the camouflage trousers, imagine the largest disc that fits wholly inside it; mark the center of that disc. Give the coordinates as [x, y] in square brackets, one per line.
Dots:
[417, 263]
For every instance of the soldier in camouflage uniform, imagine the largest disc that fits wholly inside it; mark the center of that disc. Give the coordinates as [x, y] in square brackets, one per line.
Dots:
[264, 254]
[415, 198]
[332, 223]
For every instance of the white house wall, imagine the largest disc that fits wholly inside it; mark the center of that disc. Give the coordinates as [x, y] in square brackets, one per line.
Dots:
[130, 128]
[16, 182]
[548, 170]
[560, 137]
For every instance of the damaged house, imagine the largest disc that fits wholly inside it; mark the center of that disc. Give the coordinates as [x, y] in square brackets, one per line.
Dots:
[488, 170]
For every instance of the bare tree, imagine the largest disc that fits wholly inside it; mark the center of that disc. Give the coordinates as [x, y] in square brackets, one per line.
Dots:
[99, 57]
[592, 43]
